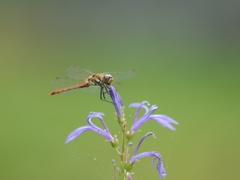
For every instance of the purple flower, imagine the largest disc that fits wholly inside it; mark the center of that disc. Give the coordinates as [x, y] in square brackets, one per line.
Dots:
[92, 127]
[157, 155]
[162, 119]
[140, 142]
[129, 176]
[160, 168]
[117, 101]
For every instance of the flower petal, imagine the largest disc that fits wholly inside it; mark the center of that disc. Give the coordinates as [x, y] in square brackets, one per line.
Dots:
[157, 155]
[161, 169]
[92, 127]
[139, 106]
[164, 120]
[129, 176]
[77, 132]
[99, 115]
[117, 100]
[96, 114]
[95, 128]
[143, 119]
[141, 140]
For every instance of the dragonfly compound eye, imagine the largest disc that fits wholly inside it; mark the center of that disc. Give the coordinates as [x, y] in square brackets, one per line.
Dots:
[108, 78]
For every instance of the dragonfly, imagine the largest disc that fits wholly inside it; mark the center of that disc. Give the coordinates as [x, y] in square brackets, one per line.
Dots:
[88, 81]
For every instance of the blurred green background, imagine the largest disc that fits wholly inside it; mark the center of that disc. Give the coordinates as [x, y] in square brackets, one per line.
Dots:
[186, 55]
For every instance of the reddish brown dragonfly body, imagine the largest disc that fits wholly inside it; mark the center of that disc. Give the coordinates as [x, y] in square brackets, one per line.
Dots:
[81, 78]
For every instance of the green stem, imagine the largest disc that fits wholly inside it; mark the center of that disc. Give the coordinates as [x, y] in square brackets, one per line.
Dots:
[122, 176]
[123, 139]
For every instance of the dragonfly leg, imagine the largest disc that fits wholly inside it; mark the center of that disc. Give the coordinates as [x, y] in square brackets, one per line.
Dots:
[107, 89]
[103, 91]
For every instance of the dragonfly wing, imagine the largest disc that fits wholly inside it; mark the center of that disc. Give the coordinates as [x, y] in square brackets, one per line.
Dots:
[117, 86]
[63, 82]
[76, 72]
[120, 76]
[93, 90]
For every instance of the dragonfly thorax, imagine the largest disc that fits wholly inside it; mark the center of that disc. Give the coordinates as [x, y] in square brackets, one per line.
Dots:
[100, 80]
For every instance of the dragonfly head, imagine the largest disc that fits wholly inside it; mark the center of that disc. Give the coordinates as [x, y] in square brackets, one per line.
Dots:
[108, 79]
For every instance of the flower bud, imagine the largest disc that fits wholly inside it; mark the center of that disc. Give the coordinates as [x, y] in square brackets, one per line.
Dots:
[129, 135]
[128, 166]
[115, 143]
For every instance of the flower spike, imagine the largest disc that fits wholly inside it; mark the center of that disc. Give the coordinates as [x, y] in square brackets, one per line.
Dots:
[127, 160]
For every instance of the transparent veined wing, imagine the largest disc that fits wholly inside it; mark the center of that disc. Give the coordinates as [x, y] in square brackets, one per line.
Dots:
[63, 82]
[120, 76]
[93, 90]
[75, 72]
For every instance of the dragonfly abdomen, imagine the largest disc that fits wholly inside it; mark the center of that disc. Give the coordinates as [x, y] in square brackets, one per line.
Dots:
[82, 85]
